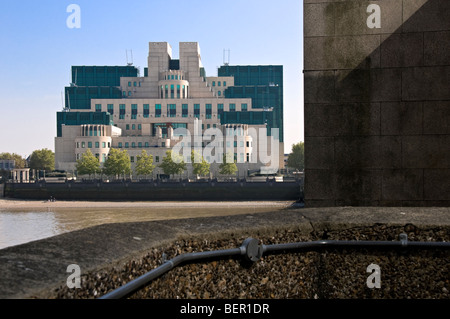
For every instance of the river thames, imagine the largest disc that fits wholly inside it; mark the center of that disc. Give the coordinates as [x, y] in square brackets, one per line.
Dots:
[26, 221]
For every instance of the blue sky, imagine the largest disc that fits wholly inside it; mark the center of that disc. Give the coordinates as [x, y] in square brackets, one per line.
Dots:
[38, 50]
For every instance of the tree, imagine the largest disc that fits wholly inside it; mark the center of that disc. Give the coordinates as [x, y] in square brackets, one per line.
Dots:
[228, 165]
[173, 163]
[118, 162]
[20, 162]
[43, 159]
[296, 159]
[144, 164]
[199, 164]
[88, 164]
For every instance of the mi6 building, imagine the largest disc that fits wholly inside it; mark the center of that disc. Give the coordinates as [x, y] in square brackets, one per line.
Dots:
[174, 106]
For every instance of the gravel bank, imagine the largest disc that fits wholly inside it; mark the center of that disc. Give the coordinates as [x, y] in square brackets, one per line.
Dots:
[329, 274]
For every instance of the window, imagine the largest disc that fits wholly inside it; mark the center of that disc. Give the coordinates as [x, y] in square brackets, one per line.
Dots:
[224, 83]
[158, 110]
[89, 144]
[129, 93]
[120, 144]
[127, 127]
[244, 107]
[124, 93]
[111, 109]
[98, 107]
[135, 84]
[219, 110]
[132, 159]
[184, 110]
[97, 144]
[83, 144]
[171, 110]
[146, 144]
[134, 111]
[129, 83]
[133, 145]
[178, 91]
[78, 146]
[214, 83]
[219, 93]
[140, 144]
[139, 127]
[146, 110]
[127, 145]
[109, 144]
[232, 107]
[157, 159]
[133, 127]
[121, 111]
[172, 91]
[163, 144]
[218, 83]
[103, 157]
[208, 111]
[97, 156]
[197, 110]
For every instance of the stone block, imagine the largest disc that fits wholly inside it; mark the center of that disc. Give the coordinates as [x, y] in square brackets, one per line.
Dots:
[426, 83]
[320, 119]
[401, 118]
[351, 17]
[437, 48]
[370, 152]
[357, 51]
[437, 184]
[426, 151]
[353, 86]
[319, 152]
[319, 184]
[402, 184]
[318, 19]
[402, 50]
[353, 186]
[385, 85]
[319, 53]
[426, 15]
[319, 86]
[436, 117]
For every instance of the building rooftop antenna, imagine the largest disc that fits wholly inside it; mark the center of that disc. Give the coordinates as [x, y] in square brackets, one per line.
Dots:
[226, 57]
[129, 63]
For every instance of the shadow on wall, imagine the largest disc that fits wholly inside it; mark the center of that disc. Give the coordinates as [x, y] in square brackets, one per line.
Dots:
[377, 131]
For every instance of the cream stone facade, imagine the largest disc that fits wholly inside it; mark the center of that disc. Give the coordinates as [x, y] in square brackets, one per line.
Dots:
[171, 109]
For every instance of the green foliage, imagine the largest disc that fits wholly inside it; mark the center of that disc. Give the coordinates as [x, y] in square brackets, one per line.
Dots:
[43, 159]
[117, 163]
[173, 163]
[200, 165]
[144, 164]
[88, 164]
[228, 165]
[296, 159]
[20, 162]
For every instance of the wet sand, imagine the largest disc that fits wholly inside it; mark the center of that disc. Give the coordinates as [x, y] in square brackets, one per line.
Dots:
[38, 204]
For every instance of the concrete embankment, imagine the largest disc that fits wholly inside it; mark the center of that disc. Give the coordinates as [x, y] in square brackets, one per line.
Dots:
[112, 254]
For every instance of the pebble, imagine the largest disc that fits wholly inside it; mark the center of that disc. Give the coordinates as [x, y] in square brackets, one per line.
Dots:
[329, 274]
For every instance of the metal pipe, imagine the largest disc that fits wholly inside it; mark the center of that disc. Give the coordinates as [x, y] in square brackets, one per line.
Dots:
[252, 251]
[141, 281]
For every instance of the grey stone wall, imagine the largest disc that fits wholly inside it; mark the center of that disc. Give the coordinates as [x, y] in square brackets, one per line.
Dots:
[377, 103]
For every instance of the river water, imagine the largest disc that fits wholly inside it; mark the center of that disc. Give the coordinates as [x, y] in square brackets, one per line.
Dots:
[19, 226]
